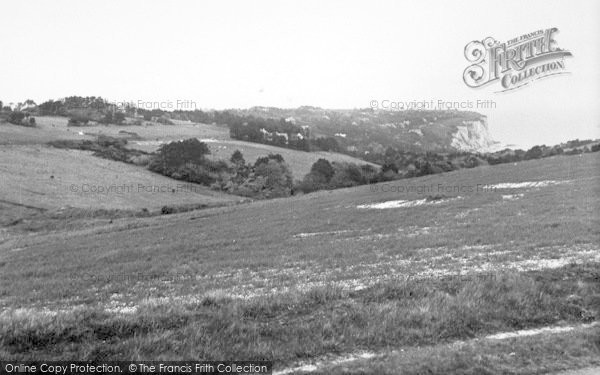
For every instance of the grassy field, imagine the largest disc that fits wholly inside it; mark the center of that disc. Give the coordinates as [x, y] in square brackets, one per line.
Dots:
[50, 128]
[458, 256]
[43, 187]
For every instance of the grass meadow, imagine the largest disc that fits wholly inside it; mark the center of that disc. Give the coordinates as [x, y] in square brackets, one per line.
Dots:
[311, 278]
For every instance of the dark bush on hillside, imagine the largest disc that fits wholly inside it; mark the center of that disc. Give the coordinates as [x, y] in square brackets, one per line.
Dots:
[198, 174]
[347, 175]
[78, 121]
[470, 162]
[69, 105]
[534, 153]
[105, 147]
[326, 144]
[107, 141]
[186, 160]
[237, 158]
[269, 179]
[323, 168]
[173, 155]
[21, 118]
[167, 210]
[277, 177]
[324, 175]
[113, 118]
[595, 148]
[265, 159]
[16, 118]
[370, 173]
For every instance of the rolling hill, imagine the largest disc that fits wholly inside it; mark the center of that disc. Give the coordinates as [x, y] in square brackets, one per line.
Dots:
[366, 131]
[43, 184]
[151, 135]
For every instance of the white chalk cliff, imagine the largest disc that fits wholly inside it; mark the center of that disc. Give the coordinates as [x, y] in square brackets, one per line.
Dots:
[473, 136]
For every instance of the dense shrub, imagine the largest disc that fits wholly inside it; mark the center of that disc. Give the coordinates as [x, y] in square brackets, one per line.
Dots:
[265, 159]
[326, 144]
[325, 175]
[16, 117]
[323, 168]
[21, 118]
[173, 155]
[534, 153]
[113, 118]
[237, 158]
[277, 178]
[78, 121]
[105, 147]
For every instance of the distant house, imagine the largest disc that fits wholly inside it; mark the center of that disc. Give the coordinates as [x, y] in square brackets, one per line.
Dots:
[267, 135]
[284, 135]
[306, 130]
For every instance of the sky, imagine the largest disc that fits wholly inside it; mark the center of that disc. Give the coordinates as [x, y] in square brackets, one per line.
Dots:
[330, 54]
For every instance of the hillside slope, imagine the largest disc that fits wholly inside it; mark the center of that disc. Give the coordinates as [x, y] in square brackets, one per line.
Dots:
[150, 136]
[40, 178]
[405, 264]
[363, 131]
[480, 206]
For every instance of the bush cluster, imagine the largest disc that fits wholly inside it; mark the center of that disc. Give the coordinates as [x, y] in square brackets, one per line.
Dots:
[325, 175]
[21, 118]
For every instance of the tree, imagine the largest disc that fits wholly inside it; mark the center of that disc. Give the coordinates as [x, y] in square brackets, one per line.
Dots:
[118, 118]
[237, 158]
[16, 117]
[327, 144]
[175, 154]
[323, 168]
[277, 178]
[78, 121]
[534, 153]
[265, 159]
[389, 166]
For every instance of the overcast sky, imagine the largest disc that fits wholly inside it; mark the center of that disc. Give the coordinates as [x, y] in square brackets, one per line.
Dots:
[335, 54]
